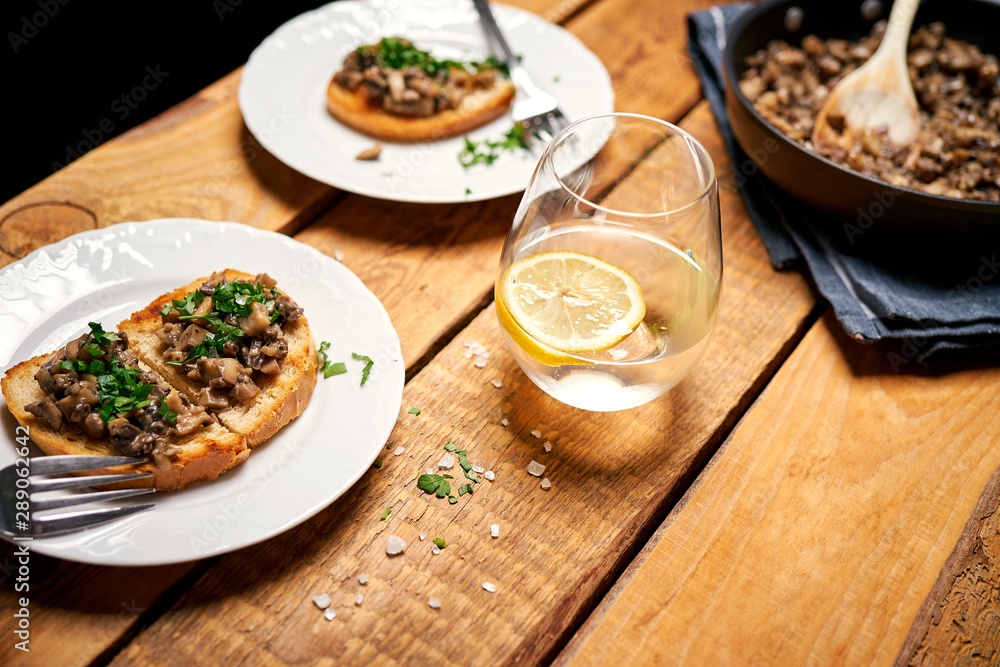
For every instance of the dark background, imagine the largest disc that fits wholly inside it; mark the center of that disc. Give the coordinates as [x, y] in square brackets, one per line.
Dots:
[75, 59]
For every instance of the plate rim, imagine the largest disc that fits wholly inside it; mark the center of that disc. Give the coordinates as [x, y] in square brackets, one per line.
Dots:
[504, 12]
[137, 557]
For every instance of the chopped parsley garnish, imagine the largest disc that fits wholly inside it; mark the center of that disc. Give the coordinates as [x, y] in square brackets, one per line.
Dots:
[468, 191]
[378, 463]
[452, 500]
[232, 300]
[464, 489]
[398, 53]
[166, 413]
[185, 306]
[488, 150]
[121, 390]
[99, 335]
[414, 411]
[94, 367]
[385, 514]
[368, 366]
[436, 484]
[330, 368]
[440, 543]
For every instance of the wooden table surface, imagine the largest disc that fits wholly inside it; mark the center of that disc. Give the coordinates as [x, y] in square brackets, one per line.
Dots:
[798, 499]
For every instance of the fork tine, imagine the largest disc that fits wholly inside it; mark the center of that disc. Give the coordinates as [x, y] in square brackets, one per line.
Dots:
[81, 498]
[48, 465]
[39, 485]
[65, 523]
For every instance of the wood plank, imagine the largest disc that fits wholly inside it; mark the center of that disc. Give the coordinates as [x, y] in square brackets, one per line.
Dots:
[197, 160]
[958, 622]
[91, 636]
[612, 476]
[822, 526]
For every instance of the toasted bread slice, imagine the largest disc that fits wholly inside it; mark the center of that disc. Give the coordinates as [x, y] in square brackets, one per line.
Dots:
[475, 109]
[202, 456]
[283, 397]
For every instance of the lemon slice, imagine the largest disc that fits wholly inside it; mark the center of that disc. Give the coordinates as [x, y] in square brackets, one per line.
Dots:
[568, 302]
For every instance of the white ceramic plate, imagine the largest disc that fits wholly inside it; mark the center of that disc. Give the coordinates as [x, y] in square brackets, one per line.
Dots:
[283, 96]
[106, 274]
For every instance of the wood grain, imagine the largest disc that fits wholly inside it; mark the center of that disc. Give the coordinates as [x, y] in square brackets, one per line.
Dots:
[960, 619]
[821, 527]
[140, 176]
[197, 160]
[559, 550]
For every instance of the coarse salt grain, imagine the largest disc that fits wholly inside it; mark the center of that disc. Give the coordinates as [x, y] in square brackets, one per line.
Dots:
[535, 468]
[496, 383]
[423, 536]
[490, 475]
[435, 549]
[546, 483]
[547, 446]
[329, 614]
[399, 450]
[447, 461]
[359, 598]
[430, 471]
[495, 530]
[338, 255]
[322, 601]
[481, 360]
[394, 545]
[489, 587]
[478, 469]
[362, 579]
[535, 432]
[504, 421]
[434, 603]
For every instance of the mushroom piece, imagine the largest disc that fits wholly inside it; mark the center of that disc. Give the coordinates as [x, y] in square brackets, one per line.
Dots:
[169, 333]
[129, 438]
[93, 425]
[47, 410]
[288, 308]
[270, 367]
[213, 399]
[45, 380]
[191, 419]
[256, 321]
[397, 84]
[265, 280]
[370, 153]
[244, 390]
[204, 308]
[218, 372]
[192, 335]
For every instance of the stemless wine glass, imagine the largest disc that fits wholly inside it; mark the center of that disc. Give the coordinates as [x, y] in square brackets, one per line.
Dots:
[608, 286]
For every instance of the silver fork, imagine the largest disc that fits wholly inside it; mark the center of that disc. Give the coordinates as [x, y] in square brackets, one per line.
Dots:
[533, 108]
[19, 504]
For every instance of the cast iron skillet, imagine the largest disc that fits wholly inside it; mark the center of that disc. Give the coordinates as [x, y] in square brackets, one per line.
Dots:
[840, 194]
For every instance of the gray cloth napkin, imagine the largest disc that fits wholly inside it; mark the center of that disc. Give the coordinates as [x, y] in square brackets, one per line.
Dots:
[939, 304]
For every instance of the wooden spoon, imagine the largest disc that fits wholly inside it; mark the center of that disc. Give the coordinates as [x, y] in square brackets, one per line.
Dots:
[876, 98]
